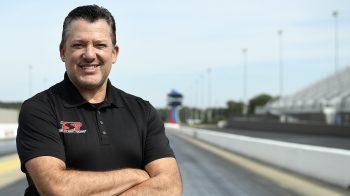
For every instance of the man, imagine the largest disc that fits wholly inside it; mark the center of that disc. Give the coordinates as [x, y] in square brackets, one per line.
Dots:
[83, 136]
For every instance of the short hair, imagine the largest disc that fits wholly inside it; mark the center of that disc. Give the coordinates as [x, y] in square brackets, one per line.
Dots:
[90, 13]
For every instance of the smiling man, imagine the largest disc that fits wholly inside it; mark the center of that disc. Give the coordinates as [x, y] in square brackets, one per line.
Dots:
[83, 136]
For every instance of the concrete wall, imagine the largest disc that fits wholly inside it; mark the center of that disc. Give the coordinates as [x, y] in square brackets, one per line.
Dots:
[8, 115]
[326, 164]
[8, 123]
[8, 130]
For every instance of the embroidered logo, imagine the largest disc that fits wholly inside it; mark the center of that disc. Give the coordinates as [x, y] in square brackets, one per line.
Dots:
[71, 127]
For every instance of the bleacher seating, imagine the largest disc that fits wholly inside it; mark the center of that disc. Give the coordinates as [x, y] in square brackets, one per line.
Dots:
[333, 91]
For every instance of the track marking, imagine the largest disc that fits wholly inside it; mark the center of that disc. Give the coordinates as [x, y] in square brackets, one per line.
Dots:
[10, 171]
[281, 178]
[11, 164]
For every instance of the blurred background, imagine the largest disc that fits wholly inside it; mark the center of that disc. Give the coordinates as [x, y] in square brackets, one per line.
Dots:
[278, 70]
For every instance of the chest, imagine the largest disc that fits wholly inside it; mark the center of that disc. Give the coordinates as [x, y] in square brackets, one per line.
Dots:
[100, 139]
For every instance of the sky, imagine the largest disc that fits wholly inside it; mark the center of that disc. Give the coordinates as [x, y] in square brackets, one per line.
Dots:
[192, 46]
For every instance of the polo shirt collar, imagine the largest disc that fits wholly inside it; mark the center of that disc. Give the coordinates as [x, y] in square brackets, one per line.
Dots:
[113, 95]
[74, 99]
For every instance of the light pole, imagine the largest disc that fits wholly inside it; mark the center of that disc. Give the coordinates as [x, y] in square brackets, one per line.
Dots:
[245, 105]
[280, 47]
[336, 55]
[202, 96]
[336, 49]
[209, 87]
[209, 95]
[280, 33]
[196, 105]
[191, 101]
[30, 80]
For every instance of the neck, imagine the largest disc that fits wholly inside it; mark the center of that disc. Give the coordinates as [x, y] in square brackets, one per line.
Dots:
[97, 95]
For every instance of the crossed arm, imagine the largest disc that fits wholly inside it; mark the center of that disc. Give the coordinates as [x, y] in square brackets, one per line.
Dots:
[51, 177]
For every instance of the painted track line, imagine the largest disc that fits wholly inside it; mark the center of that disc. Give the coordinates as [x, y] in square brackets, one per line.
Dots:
[10, 171]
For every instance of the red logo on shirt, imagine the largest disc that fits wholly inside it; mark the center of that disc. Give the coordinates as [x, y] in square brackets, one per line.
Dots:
[71, 127]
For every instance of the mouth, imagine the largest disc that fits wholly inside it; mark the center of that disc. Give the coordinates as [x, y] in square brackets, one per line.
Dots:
[88, 67]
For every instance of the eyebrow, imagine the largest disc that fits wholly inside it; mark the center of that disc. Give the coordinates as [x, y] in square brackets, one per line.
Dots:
[84, 41]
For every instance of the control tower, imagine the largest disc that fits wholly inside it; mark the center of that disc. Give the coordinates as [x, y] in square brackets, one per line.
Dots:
[174, 100]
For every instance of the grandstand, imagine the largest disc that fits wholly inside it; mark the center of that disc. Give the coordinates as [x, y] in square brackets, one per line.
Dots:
[327, 100]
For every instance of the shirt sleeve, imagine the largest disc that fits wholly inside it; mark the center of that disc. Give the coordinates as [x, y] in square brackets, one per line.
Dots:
[37, 133]
[157, 144]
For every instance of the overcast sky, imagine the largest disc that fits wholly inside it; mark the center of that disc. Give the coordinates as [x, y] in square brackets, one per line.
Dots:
[167, 45]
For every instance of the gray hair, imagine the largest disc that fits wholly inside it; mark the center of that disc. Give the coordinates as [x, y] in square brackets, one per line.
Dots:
[90, 13]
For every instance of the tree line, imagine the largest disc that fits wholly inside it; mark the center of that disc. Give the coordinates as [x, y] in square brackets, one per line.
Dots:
[215, 114]
[10, 105]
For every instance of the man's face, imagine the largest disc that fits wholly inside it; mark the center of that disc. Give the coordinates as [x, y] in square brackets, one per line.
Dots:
[88, 53]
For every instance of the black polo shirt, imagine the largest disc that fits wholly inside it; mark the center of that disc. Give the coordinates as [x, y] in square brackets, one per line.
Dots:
[124, 131]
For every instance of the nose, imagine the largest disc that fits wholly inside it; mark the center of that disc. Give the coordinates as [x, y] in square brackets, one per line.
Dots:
[89, 53]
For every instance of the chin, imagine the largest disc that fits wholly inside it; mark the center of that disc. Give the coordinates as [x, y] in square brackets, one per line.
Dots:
[89, 85]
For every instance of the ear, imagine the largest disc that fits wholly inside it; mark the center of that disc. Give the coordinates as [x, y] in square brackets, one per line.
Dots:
[62, 52]
[115, 53]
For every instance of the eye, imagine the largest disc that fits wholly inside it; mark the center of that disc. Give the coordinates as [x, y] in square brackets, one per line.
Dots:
[77, 45]
[101, 46]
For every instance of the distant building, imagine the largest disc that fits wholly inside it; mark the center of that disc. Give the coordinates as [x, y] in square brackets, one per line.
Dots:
[174, 100]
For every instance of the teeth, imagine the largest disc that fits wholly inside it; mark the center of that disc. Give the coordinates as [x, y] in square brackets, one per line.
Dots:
[88, 67]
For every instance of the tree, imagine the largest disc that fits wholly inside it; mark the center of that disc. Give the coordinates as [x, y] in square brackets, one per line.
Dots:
[163, 112]
[234, 108]
[259, 100]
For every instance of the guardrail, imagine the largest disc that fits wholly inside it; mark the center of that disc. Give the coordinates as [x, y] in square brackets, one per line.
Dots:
[8, 130]
[327, 164]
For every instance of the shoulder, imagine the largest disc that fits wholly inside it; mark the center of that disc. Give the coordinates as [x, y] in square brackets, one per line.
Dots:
[41, 102]
[141, 109]
[133, 100]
